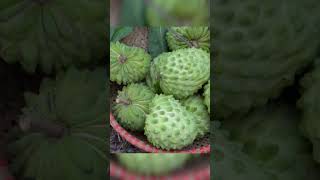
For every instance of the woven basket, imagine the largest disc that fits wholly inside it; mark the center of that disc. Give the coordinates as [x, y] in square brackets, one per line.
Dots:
[200, 173]
[138, 139]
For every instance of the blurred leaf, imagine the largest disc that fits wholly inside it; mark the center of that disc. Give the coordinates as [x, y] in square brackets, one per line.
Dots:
[132, 13]
[157, 41]
[117, 33]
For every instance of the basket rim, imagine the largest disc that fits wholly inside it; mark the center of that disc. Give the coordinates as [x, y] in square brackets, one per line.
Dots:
[119, 172]
[148, 147]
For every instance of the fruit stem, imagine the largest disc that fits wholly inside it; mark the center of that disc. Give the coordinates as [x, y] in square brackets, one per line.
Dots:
[122, 59]
[40, 126]
[123, 101]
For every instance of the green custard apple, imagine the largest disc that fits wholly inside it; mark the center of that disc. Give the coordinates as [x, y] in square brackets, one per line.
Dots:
[259, 47]
[132, 106]
[195, 105]
[310, 105]
[153, 164]
[177, 12]
[180, 73]
[188, 37]
[270, 136]
[52, 35]
[206, 95]
[128, 64]
[64, 129]
[169, 125]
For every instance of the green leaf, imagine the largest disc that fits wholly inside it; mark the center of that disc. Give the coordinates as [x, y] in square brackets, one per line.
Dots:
[117, 34]
[157, 41]
[132, 13]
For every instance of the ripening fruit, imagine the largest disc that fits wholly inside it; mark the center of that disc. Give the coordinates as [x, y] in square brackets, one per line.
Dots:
[195, 105]
[169, 125]
[153, 164]
[128, 64]
[188, 37]
[180, 73]
[132, 105]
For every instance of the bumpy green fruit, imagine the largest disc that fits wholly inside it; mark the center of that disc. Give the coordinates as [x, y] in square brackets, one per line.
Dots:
[132, 105]
[270, 136]
[188, 37]
[310, 104]
[64, 129]
[195, 105]
[152, 164]
[128, 64]
[259, 47]
[206, 95]
[169, 125]
[52, 35]
[177, 12]
[180, 73]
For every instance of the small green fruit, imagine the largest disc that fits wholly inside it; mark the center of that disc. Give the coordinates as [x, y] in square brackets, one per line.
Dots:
[128, 64]
[195, 105]
[132, 105]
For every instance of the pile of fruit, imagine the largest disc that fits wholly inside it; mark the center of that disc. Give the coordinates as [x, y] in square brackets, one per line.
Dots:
[166, 97]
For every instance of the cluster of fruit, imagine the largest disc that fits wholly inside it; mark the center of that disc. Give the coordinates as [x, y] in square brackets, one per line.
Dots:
[172, 105]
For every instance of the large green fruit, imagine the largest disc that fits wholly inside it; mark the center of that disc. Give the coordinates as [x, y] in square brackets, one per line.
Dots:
[52, 35]
[310, 104]
[259, 47]
[153, 164]
[177, 12]
[195, 105]
[271, 138]
[64, 129]
[132, 105]
[169, 125]
[188, 37]
[128, 64]
[180, 73]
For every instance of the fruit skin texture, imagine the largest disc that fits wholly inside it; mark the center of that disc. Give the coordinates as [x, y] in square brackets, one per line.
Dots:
[132, 105]
[188, 37]
[128, 64]
[309, 103]
[195, 105]
[177, 12]
[257, 56]
[206, 95]
[52, 35]
[169, 125]
[152, 164]
[270, 136]
[75, 100]
[180, 73]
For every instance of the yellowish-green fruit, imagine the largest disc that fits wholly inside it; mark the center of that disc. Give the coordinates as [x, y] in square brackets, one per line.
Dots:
[195, 105]
[128, 64]
[132, 105]
[152, 164]
[169, 125]
[188, 37]
[180, 73]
